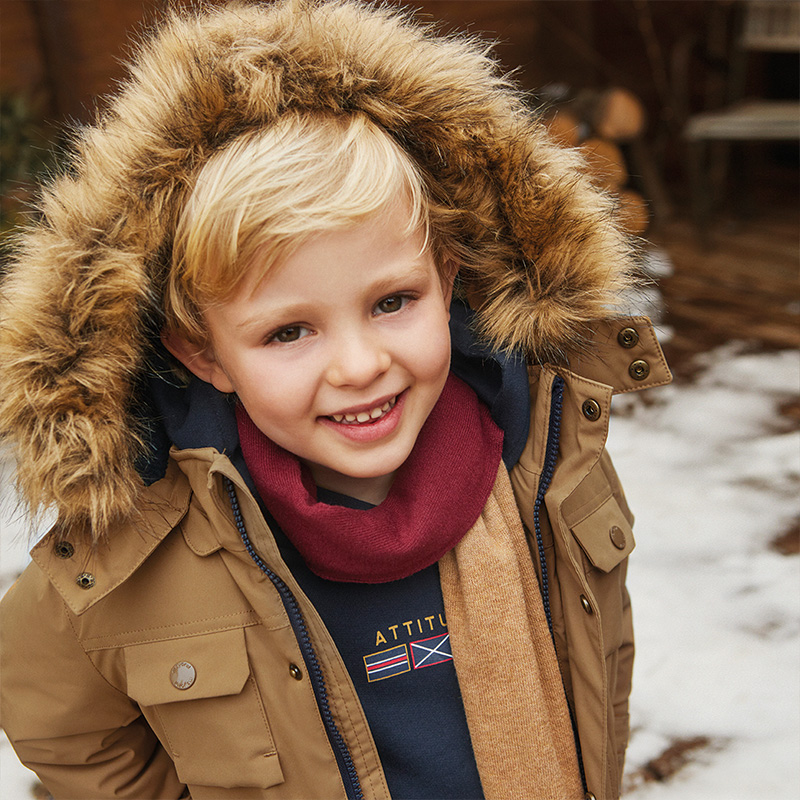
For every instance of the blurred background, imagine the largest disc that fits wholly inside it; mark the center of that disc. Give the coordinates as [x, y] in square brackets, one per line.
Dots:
[688, 112]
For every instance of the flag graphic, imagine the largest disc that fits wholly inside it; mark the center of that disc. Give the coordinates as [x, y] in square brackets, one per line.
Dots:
[427, 652]
[387, 663]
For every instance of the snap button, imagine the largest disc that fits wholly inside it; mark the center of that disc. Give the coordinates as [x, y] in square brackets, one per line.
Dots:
[295, 672]
[64, 549]
[182, 675]
[587, 606]
[589, 796]
[591, 410]
[85, 580]
[639, 370]
[628, 337]
[617, 537]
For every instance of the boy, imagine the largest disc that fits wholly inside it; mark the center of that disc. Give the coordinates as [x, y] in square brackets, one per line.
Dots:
[291, 563]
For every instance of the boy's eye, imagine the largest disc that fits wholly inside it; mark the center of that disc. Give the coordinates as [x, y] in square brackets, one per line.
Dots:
[289, 334]
[392, 303]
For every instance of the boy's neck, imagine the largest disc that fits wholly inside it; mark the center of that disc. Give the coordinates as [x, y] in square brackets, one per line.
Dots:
[370, 490]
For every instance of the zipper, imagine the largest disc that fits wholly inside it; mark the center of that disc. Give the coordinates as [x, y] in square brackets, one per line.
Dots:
[548, 469]
[545, 479]
[344, 759]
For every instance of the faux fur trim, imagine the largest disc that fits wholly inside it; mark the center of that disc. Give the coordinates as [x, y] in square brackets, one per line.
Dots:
[544, 254]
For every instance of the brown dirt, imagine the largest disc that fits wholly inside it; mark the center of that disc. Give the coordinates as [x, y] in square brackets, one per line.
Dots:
[790, 411]
[664, 766]
[38, 792]
[788, 543]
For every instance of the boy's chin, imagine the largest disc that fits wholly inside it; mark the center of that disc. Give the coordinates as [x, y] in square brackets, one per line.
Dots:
[371, 486]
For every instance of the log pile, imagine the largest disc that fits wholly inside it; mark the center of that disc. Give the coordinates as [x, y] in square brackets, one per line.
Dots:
[601, 124]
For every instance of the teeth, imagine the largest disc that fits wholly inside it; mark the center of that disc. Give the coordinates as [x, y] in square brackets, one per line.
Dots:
[365, 416]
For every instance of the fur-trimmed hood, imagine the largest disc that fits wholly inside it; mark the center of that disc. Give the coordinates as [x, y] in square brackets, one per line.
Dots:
[81, 301]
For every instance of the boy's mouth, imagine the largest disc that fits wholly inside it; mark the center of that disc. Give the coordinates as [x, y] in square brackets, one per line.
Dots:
[368, 416]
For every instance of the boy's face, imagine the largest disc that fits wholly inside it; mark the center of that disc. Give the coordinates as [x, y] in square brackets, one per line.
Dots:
[340, 353]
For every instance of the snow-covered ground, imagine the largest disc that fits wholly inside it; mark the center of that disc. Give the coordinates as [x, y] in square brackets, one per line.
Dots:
[712, 473]
[713, 478]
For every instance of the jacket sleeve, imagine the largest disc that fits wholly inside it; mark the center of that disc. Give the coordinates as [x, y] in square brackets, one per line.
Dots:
[83, 737]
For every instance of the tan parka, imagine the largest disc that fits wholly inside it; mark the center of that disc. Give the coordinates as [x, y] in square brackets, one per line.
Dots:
[91, 636]
[137, 580]
[91, 705]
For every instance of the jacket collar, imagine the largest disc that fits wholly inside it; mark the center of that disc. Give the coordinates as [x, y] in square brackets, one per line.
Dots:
[84, 573]
[625, 357]
[624, 354]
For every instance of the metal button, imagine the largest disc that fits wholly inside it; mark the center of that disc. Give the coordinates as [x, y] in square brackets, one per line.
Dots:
[85, 580]
[628, 337]
[182, 675]
[591, 410]
[587, 606]
[639, 370]
[295, 672]
[617, 537]
[589, 796]
[64, 550]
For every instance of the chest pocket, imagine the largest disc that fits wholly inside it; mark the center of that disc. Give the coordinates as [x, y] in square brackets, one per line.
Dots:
[201, 699]
[605, 535]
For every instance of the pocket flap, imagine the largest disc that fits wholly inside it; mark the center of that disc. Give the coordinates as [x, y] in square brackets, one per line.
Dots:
[209, 665]
[605, 535]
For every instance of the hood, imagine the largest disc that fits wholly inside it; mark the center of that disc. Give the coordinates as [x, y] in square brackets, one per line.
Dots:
[80, 305]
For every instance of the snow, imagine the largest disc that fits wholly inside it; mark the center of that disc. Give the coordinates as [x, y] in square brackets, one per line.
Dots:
[712, 472]
[713, 478]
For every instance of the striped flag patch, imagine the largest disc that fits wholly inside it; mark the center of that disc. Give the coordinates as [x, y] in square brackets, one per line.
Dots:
[387, 663]
[427, 652]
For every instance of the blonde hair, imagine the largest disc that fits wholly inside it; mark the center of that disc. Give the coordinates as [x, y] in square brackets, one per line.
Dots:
[261, 197]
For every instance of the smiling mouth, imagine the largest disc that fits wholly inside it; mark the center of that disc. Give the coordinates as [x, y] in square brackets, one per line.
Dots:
[365, 417]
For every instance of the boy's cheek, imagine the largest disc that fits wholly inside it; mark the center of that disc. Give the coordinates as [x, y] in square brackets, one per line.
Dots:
[438, 344]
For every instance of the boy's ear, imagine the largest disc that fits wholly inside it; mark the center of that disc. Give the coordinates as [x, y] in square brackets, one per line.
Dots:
[201, 363]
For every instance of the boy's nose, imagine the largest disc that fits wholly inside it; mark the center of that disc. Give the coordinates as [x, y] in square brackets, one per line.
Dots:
[358, 361]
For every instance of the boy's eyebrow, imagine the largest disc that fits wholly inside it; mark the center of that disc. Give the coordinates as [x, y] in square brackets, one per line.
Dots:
[298, 309]
[389, 282]
[281, 312]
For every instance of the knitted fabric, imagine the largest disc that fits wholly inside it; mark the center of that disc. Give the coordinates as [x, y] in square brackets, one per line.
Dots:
[506, 664]
[436, 496]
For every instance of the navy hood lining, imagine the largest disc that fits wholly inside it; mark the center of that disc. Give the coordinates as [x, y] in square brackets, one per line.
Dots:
[196, 415]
